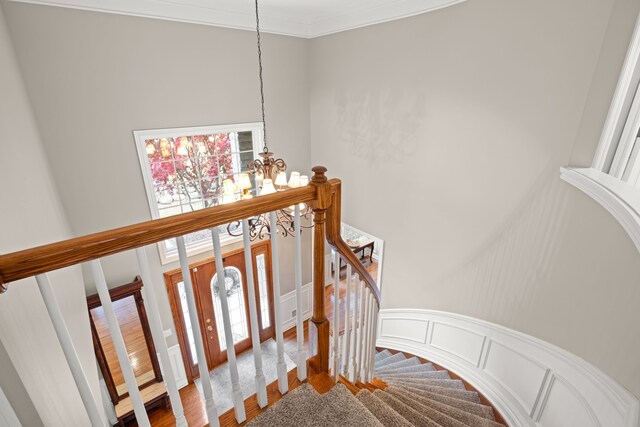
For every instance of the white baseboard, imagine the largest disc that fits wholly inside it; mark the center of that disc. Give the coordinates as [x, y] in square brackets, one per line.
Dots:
[531, 382]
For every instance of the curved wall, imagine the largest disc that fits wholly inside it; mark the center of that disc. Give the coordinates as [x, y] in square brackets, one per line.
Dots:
[449, 129]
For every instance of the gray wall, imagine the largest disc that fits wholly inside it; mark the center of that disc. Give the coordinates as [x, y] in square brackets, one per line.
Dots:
[34, 373]
[449, 129]
[93, 78]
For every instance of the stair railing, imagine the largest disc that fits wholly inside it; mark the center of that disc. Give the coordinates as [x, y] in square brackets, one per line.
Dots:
[352, 355]
[324, 198]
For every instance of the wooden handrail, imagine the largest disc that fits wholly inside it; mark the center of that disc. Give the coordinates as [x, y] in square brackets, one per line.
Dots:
[335, 240]
[42, 259]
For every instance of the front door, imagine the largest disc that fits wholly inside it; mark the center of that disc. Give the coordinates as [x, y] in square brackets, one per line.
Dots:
[207, 292]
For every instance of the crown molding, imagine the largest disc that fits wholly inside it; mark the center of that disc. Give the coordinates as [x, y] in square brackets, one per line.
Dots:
[240, 15]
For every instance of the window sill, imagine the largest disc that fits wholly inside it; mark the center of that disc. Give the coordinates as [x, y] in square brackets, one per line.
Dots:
[619, 198]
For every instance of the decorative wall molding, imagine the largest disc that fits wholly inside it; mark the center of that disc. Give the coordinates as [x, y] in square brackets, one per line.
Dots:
[619, 198]
[531, 382]
[298, 19]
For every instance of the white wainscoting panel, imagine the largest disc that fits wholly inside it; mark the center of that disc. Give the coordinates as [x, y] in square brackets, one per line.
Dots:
[531, 382]
[459, 342]
[522, 376]
[411, 329]
[564, 406]
[177, 366]
[288, 305]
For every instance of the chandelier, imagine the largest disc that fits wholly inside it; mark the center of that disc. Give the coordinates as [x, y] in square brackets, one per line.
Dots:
[268, 173]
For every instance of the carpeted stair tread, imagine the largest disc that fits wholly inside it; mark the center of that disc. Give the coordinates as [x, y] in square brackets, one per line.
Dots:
[389, 360]
[295, 405]
[407, 412]
[430, 414]
[424, 405]
[433, 375]
[383, 412]
[405, 369]
[473, 408]
[305, 407]
[341, 408]
[382, 355]
[470, 396]
[453, 384]
[401, 364]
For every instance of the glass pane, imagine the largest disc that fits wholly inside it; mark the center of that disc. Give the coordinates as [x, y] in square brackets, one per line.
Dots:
[226, 166]
[245, 141]
[262, 289]
[187, 322]
[223, 144]
[237, 310]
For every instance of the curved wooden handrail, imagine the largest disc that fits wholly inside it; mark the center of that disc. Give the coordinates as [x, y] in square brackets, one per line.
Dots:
[339, 245]
[42, 259]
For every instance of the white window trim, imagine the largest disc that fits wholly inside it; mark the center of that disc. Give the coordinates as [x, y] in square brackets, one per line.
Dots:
[141, 136]
[621, 105]
[603, 180]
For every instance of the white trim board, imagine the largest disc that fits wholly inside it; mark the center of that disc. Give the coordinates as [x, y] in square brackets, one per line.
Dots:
[531, 382]
[620, 105]
[299, 21]
[619, 198]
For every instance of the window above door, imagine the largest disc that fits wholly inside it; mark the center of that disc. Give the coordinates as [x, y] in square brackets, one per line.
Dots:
[183, 170]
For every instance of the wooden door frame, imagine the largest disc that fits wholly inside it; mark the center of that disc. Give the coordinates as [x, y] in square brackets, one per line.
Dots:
[173, 277]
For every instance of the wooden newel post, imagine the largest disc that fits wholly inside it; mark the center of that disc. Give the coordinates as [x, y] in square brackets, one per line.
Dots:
[319, 326]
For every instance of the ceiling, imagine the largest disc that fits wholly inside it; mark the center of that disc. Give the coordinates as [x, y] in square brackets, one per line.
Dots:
[300, 18]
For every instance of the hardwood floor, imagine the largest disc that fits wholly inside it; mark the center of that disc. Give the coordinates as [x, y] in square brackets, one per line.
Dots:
[129, 321]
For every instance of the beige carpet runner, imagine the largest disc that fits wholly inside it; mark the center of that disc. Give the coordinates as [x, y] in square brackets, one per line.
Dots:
[417, 395]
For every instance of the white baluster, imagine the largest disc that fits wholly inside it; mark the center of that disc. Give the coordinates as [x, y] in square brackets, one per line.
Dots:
[302, 352]
[365, 340]
[261, 385]
[157, 333]
[354, 327]
[118, 342]
[210, 406]
[236, 392]
[347, 330]
[369, 339]
[374, 335]
[336, 315]
[283, 385]
[363, 333]
[69, 350]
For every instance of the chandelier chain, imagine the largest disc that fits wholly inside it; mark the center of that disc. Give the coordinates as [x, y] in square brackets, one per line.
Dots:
[264, 123]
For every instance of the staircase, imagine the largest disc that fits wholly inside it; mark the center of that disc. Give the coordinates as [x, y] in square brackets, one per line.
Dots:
[404, 392]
